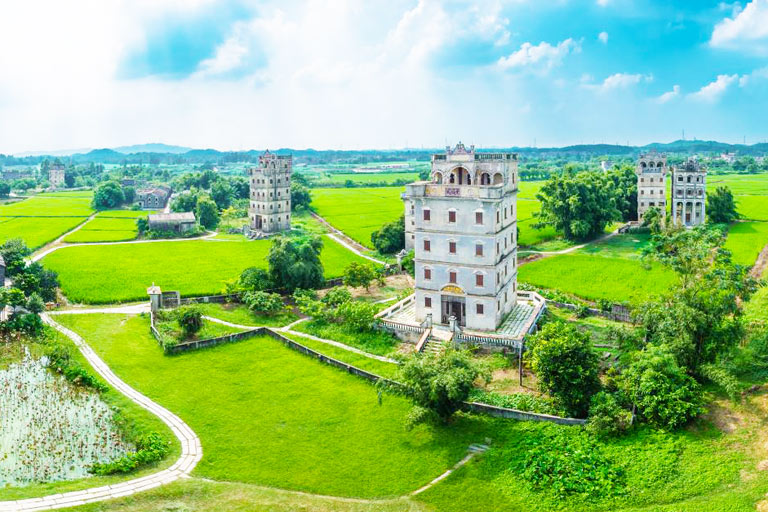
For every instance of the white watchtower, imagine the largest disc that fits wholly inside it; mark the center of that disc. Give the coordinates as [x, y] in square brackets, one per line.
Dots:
[464, 238]
[651, 173]
[270, 181]
[689, 193]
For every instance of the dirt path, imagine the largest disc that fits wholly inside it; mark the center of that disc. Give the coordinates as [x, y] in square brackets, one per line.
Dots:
[343, 242]
[602, 238]
[761, 264]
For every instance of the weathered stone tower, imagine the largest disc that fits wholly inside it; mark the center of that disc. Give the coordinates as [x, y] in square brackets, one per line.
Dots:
[651, 173]
[689, 193]
[270, 209]
[56, 175]
[464, 237]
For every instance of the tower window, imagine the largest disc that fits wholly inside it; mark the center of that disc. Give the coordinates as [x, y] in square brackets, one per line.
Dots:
[478, 217]
[426, 246]
[427, 214]
[452, 277]
[478, 249]
[427, 302]
[479, 309]
[479, 280]
[427, 274]
[452, 247]
[452, 216]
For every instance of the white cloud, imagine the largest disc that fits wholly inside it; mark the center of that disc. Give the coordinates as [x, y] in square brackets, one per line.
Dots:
[540, 56]
[711, 92]
[669, 95]
[758, 74]
[603, 37]
[746, 30]
[619, 81]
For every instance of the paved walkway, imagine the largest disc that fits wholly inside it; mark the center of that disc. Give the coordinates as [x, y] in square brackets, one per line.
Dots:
[575, 247]
[191, 450]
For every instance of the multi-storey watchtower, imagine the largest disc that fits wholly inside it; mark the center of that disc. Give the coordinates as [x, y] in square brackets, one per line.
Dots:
[651, 173]
[464, 238]
[689, 193]
[270, 208]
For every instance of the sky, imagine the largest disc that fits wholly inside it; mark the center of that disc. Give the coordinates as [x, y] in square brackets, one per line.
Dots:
[380, 74]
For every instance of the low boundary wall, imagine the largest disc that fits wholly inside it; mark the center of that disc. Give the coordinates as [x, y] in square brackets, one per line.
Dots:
[491, 410]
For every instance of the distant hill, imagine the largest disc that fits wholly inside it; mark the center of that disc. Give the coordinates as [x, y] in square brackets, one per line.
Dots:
[158, 153]
[153, 147]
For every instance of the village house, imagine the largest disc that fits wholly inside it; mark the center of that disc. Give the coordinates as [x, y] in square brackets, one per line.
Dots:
[176, 222]
[153, 198]
[689, 193]
[270, 184]
[651, 170]
[56, 175]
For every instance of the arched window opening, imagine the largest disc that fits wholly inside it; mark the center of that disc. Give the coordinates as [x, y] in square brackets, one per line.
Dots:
[498, 179]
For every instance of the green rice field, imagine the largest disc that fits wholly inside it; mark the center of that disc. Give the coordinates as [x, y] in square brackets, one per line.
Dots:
[101, 274]
[746, 240]
[105, 229]
[610, 270]
[37, 231]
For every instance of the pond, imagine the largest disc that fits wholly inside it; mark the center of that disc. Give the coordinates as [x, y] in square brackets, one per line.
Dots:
[51, 430]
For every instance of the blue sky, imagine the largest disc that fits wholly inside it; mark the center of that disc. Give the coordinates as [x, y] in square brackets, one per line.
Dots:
[380, 74]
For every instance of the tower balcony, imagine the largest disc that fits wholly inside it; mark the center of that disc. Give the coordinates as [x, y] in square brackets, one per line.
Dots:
[429, 189]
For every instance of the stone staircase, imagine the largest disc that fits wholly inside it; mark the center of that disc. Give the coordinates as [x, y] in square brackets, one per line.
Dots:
[435, 341]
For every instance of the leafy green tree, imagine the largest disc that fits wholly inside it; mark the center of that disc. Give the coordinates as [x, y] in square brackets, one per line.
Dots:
[207, 179]
[391, 237]
[295, 262]
[357, 274]
[207, 213]
[13, 252]
[408, 264]
[108, 194]
[653, 219]
[660, 389]
[438, 384]
[35, 304]
[566, 366]
[721, 207]
[578, 205]
[263, 302]
[12, 297]
[190, 319]
[5, 189]
[255, 279]
[300, 196]
[142, 224]
[624, 182]
[221, 193]
[185, 202]
[130, 194]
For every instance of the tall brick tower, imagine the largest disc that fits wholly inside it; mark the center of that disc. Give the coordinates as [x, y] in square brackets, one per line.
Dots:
[270, 209]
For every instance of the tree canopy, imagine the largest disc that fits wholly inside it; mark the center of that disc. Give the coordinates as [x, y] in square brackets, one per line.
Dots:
[391, 237]
[721, 207]
[108, 195]
[295, 262]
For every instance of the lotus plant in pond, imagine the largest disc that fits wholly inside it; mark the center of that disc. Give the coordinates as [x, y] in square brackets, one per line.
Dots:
[51, 430]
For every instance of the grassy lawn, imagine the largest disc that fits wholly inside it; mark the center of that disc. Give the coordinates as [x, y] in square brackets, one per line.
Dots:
[380, 368]
[137, 422]
[272, 416]
[364, 178]
[37, 231]
[746, 240]
[619, 246]
[241, 315]
[105, 229]
[121, 273]
[373, 207]
[596, 277]
[741, 184]
[753, 207]
[756, 310]
[375, 342]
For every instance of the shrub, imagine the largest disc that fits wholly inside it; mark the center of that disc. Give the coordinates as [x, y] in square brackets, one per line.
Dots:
[566, 366]
[336, 296]
[358, 316]
[60, 360]
[606, 416]
[263, 302]
[391, 237]
[150, 448]
[568, 462]
[519, 401]
[190, 319]
[255, 279]
[438, 384]
[664, 395]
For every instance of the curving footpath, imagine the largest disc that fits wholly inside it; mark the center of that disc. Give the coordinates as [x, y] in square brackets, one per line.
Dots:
[191, 449]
